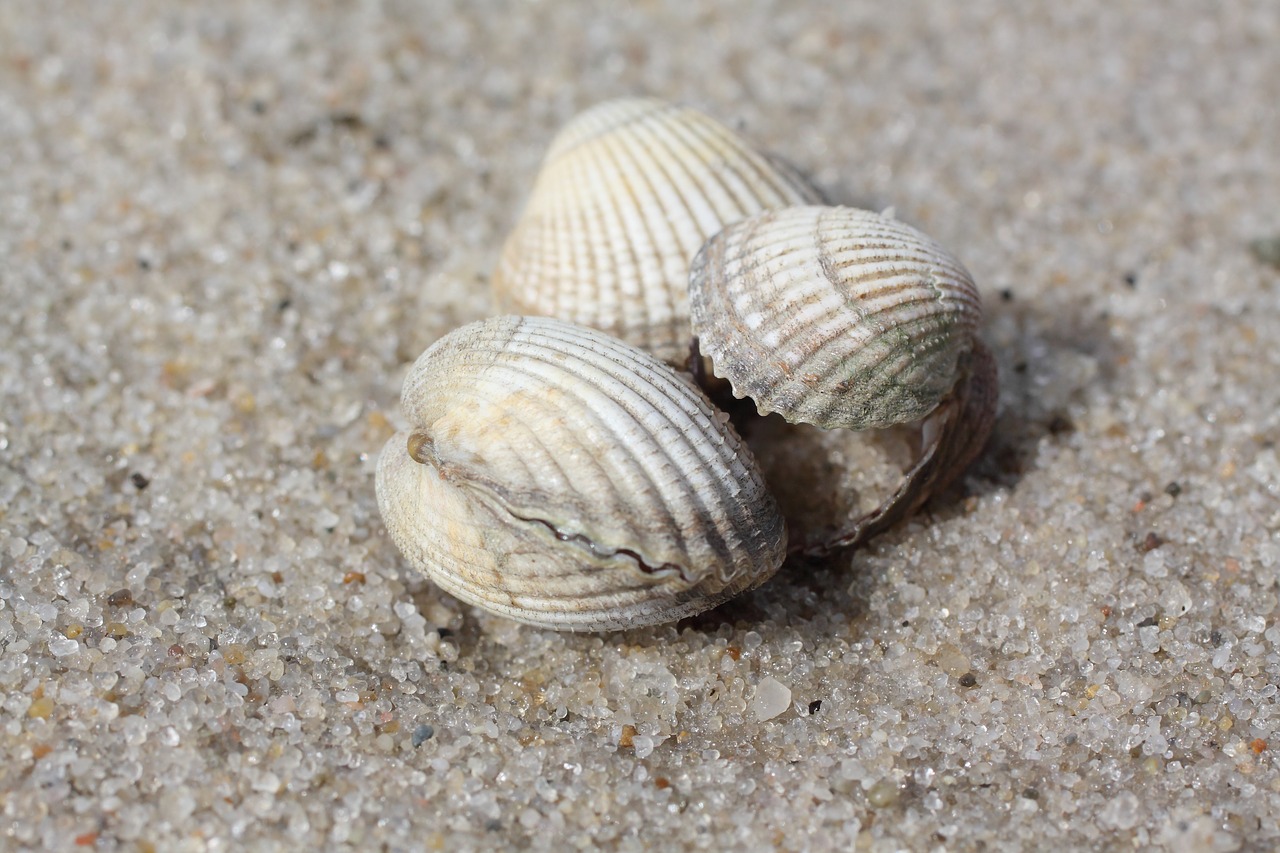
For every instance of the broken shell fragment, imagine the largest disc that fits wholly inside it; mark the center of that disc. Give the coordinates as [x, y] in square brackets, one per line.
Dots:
[833, 316]
[556, 476]
[627, 194]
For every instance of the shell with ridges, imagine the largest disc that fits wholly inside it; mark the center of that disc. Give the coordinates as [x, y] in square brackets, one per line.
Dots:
[833, 316]
[559, 477]
[951, 437]
[628, 192]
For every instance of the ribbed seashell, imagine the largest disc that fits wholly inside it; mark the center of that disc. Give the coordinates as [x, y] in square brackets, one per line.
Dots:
[559, 477]
[627, 194]
[951, 437]
[833, 316]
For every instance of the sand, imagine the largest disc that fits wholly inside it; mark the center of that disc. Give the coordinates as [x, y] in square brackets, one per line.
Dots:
[225, 231]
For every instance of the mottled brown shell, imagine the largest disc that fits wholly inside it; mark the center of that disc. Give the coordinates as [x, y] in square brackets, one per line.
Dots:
[627, 194]
[559, 477]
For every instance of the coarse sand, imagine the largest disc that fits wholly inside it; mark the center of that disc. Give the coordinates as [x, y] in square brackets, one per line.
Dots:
[225, 231]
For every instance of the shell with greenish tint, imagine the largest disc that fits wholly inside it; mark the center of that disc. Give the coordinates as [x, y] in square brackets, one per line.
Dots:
[833, 316]
[627, 194]
[952, 436]
[559, 477]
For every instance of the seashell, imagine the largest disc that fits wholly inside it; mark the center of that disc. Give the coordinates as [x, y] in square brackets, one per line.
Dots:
[833, 316]
[951, 438]
[627, 194]
[559, 477]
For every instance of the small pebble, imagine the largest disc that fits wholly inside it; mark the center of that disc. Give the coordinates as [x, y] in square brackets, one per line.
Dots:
[883, 794]
[41, 708]
[61, 647]
[643, 746]
[771, 699]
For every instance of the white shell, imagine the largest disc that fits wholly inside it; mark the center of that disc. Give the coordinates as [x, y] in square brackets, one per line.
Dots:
[559, 477]
[833, 316]
[627, 194]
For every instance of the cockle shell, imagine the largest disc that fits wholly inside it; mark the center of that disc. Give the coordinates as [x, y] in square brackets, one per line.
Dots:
[627, 194]
[562, 478]
[833, 316]
[951, 437]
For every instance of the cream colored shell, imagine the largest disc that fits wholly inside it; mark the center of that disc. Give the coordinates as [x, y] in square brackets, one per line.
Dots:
[559, 477]
[627, 194]
[833, 316]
